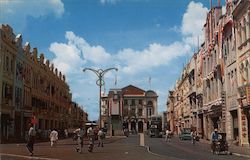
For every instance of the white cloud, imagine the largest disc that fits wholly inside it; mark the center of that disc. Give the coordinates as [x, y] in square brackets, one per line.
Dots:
[175, 29]
[109, 1]
[153, 56]
[194, 19]
[67, 57]
[95, 54]
[16, 11]
[76, 52]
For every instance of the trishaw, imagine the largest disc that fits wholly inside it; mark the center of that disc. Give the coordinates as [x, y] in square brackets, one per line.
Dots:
[221, 146]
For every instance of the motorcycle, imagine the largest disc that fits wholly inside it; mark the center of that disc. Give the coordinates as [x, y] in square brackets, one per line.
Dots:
[193, 139]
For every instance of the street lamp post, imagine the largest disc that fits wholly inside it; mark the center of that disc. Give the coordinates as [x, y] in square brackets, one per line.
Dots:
[100, 82]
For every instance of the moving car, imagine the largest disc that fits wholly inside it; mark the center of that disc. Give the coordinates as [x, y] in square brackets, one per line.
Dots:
[185, 134]
[154, 131]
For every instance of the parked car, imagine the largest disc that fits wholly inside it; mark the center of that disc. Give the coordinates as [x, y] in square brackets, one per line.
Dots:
[185, 134]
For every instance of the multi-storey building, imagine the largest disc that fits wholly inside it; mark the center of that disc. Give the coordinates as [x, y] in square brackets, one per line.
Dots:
[192, 102]
[227, 36]
[182, 107]
[115, 107]
[9, 51]
[31, 90]
[165, 123]
[171, 124]
[213, 74]
[131, 108]
[222, 75]
[18, 89]
[241, 17]
[199, 90]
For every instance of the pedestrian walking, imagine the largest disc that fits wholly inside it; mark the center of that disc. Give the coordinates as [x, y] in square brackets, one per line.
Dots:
[90, 134]
[80, 135]
[168, 136]
[31, 139]
[100, 137]
[53, 137]
[66, 133]
[193, 136]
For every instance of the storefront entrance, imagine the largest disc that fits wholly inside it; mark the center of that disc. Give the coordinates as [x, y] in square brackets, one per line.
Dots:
[140, 126]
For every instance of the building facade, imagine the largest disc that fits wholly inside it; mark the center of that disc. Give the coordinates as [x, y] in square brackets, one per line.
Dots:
[9, 52]
[221, 78]
[241, 17]
[131, 108]
[229, 52]
[32, 90]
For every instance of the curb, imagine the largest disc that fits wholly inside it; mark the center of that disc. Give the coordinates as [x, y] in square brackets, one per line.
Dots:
[148, 149]
[241, 155]
[27, 157]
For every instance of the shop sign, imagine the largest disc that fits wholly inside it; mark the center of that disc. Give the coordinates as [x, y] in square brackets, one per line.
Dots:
[244, 102]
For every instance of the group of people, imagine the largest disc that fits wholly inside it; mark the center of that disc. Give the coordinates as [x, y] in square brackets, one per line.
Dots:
[168, 135]
[79, 133]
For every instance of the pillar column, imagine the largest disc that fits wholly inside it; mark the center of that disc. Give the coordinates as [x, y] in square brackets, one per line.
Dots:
[129, 126]
[22, 128]
[205, 121]
[136, 126]
[144, 126]
[248, 25]
[229, 126]
[243, 128]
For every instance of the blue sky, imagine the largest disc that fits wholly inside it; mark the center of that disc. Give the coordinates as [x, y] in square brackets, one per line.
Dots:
[142, 38]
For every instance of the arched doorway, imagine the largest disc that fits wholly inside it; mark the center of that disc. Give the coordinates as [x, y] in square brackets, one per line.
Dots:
[215, 121]
[125, 125]
[133, 127]
[140, 126]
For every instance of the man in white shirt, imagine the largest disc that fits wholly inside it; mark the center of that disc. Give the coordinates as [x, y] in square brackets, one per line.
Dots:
[31, 139]
[53, 137]
[90, 134]
[100, 138]
[80, 135]
[167, 137]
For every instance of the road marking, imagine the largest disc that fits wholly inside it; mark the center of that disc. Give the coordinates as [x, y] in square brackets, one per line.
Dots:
[241, 155]
[28, 157]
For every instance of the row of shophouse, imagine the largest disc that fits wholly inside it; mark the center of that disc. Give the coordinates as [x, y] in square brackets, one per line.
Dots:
[129, 108]
[214, 88]
[32, 90]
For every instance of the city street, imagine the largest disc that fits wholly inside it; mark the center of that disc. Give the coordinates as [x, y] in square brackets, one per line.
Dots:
[185, 150]
[117, 148]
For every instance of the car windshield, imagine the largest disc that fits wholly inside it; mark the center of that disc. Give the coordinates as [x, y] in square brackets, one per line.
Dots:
[186, 130]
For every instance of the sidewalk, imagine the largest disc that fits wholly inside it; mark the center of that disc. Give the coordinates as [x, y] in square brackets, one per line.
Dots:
[236, 150]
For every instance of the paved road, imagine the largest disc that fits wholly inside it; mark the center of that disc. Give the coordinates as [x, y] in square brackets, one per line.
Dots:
[120, 149]
[185, 150]
[117, 149]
